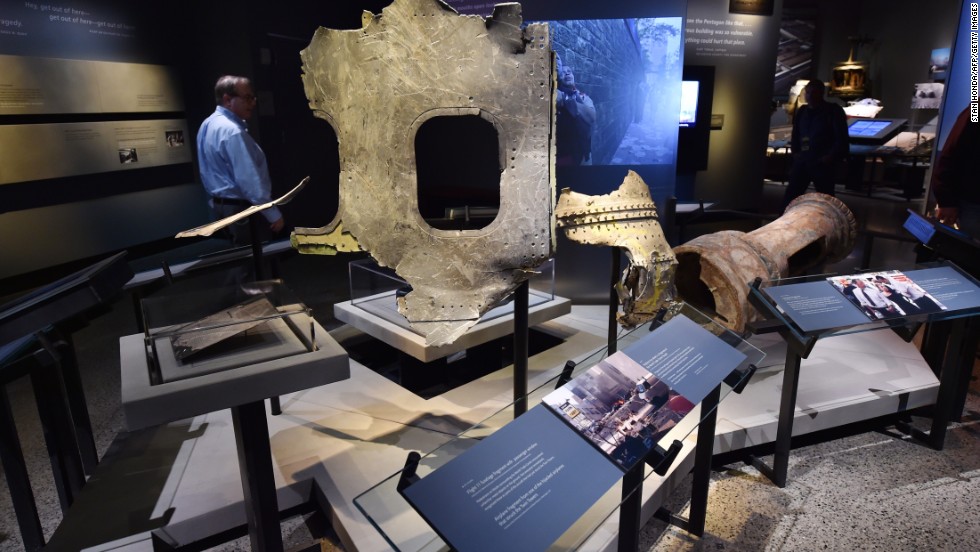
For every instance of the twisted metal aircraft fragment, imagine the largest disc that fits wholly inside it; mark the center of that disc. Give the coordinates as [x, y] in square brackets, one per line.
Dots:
[376, 86]
[627, 218]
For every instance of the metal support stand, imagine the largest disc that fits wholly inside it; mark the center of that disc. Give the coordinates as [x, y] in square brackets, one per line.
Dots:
[704, 449]
[77, 406]
[629, 509]
[260, 274]
[702, 464]
[15, 471]
[520, 348]
[784, 430]
[613, 301]
[955, 343]
[258, 483]
[55, 415]
[798, 347]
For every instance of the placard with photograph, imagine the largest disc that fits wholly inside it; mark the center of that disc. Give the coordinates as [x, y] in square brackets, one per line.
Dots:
[886, 295]
[851, 300]
[56, 150]
[524, 485]
[625, 404]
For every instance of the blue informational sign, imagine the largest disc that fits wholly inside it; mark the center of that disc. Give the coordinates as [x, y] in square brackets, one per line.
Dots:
[815, 306]
[525, 485]
[842, 301]
[948, 286]
[628, 402]
[518, 489]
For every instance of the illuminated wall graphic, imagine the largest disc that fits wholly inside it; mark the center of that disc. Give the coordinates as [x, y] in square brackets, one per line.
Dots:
[95, 149]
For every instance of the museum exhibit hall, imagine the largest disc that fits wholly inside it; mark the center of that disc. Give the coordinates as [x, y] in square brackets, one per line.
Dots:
[423, 275]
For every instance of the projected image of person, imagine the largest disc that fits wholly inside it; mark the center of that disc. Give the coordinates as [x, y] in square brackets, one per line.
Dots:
[618, 90]
[576, 119]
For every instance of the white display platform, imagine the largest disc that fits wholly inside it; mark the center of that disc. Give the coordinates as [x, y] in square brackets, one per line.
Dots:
[846, 379]
[379, 318]
[351, 434]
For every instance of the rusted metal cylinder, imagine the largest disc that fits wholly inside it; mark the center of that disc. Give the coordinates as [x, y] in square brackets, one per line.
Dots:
[714, 270]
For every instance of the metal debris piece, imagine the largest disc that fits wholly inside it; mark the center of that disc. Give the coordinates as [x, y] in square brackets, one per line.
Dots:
[212, 227]
[714, 271]
[625, 218]
[376, 86]
[213, 329]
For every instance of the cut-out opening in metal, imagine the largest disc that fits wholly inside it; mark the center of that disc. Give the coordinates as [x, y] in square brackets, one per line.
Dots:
[457, 161]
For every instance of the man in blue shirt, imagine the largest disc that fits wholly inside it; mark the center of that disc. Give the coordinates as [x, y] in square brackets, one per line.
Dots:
[232, 165]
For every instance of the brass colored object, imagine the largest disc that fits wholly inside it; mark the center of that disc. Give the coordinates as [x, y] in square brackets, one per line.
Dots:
[376, 86]
[714, 271]
[625, 218]
[850, 78]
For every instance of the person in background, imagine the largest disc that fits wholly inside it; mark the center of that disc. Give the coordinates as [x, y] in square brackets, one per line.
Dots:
[954, 178]
[233, 167]
[819, 143]
[576, 116]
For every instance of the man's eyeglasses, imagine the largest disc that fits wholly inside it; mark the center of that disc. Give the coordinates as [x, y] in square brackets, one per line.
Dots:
[247, 97]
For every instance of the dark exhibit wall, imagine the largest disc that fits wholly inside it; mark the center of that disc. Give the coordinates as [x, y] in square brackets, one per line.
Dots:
[903, 34]
[961, 82]
[94, 144]
[742, 48]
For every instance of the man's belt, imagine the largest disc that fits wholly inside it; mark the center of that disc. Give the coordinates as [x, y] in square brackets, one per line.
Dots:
[230, 201]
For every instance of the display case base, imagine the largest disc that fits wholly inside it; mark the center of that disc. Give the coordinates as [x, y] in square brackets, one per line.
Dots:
[380, 319]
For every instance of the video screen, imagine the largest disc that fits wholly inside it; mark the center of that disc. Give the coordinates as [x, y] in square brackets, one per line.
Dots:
[689, 103]
[866, 129]
[874, 130]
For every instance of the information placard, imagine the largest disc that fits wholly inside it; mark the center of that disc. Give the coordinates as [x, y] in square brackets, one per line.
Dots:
[626, 403]
[518, 489]
[856, 299]
[525, 485]
[35, 85]
[36, 152]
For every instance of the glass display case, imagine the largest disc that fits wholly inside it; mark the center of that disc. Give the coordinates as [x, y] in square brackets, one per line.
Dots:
[195, 333]
[375, 290]
[405, 529]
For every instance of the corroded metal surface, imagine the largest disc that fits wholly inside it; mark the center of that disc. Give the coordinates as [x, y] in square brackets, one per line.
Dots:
[714, 271]
[376, 86]
[625, 218]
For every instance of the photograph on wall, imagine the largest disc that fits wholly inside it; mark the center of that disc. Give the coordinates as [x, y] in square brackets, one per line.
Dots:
[128, 155]
[794, 53]
[927, 95]
[751, 7]
[886, 295]
[939, 64]
[175, 138]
